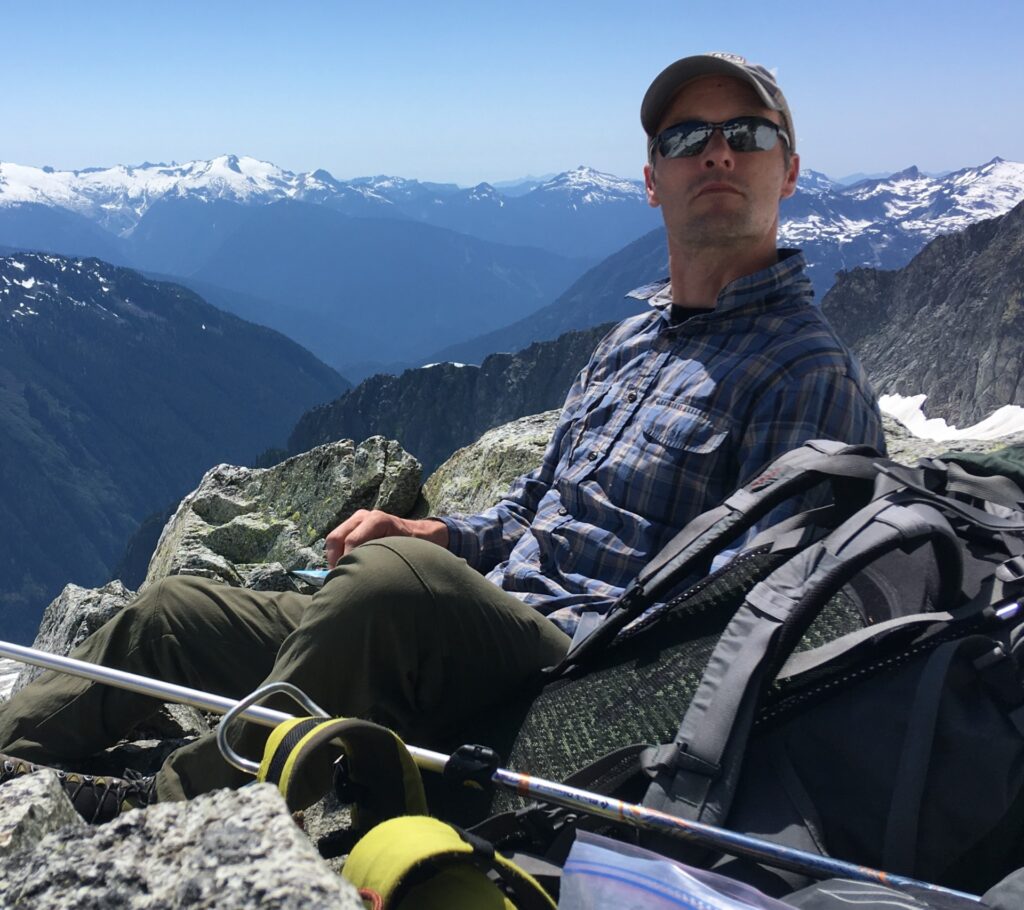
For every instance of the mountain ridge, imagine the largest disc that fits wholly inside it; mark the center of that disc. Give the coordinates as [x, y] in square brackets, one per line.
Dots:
[116, 393]
[949, 324]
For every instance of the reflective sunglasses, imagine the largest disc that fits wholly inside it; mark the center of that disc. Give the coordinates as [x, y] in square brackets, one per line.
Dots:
[744, 134]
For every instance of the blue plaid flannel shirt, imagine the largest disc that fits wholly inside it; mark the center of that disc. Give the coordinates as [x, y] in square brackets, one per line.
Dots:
[664, 422]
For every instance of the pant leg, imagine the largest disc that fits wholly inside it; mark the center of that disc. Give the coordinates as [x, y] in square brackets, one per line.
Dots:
[184, 630]
[403, 633]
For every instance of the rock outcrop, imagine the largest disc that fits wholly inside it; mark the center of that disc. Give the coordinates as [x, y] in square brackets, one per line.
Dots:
[949, 325]
[477, 476]
[432, 411]
[30, 808]
[72, 617]
[233, 849]
[249, 526]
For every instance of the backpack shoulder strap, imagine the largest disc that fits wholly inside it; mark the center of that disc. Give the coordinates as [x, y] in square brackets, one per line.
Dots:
[692, 549]
[695, 776]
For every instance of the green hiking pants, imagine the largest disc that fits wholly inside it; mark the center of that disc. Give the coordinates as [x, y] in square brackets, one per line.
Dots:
[403, 633]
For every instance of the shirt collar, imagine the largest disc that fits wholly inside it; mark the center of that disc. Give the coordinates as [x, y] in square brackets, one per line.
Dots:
[787, 277]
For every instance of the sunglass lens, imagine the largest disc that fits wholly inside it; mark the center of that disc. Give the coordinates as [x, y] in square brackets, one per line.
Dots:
[685, 140]
[750, 135]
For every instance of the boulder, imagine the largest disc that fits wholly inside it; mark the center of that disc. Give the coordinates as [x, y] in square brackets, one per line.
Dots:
[230, 848]
[276, 518]
[477, 476]
[31, 807]
[71, 618]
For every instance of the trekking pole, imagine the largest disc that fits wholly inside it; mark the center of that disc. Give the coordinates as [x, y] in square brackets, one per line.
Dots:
[776, 855]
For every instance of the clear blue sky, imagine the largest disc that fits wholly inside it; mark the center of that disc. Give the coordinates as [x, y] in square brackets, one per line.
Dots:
[472, 91]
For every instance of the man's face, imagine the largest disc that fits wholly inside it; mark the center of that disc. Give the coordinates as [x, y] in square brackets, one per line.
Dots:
[720, 198]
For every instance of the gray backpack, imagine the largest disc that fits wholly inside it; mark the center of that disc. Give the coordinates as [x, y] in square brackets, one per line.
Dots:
[849, 684]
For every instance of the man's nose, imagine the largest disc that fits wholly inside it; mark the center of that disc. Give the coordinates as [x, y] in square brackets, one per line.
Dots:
[717, 152]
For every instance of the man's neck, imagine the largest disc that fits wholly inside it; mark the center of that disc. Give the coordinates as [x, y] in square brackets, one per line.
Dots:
[699, 275]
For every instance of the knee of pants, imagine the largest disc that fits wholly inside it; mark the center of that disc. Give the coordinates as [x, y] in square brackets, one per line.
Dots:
[172, 605]
[377, 583]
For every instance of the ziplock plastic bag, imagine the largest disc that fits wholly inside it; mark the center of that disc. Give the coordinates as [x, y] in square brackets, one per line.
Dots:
[603, 874]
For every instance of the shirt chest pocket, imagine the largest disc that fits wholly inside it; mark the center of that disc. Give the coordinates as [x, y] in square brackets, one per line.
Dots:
[681, 428]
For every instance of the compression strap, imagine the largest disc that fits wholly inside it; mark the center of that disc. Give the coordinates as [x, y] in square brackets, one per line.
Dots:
[379, 774]
[422, 863]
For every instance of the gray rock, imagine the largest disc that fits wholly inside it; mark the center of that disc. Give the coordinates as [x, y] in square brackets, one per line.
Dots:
[238, 517]
[238, 849]
[906, 448]
[71, 618]
[31, 807]
[267, 577]
[949, 325]
[477, 476]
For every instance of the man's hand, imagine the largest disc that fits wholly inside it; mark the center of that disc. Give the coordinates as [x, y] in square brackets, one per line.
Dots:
[365, 525]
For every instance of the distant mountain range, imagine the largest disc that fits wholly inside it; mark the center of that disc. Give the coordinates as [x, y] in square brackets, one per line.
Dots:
[580, 214]
[365, 273]
[877, 223]
[378, 273]
[116, 395]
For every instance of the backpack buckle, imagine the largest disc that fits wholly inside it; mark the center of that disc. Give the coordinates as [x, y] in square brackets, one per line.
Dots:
[472, 766]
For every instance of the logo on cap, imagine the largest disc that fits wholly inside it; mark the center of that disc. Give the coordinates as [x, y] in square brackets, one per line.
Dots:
[731, 58]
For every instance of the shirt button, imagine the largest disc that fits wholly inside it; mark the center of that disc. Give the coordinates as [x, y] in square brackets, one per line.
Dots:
[592, 456]
[631, 397]
[563, 511]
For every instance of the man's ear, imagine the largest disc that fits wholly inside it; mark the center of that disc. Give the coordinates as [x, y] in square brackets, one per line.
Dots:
[792, 173]
[652, 192]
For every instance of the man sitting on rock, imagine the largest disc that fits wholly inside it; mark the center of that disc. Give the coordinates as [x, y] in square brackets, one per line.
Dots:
[423, 623]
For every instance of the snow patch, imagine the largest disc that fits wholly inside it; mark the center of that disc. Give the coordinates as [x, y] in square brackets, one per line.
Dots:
[907, 410]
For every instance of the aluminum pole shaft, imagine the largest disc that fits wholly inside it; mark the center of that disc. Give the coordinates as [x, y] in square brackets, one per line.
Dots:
[525, 785]
[122, 679]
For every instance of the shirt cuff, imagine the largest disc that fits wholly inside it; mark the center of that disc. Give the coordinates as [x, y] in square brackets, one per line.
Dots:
[462, 541]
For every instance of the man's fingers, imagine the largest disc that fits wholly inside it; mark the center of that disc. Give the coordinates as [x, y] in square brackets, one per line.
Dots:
[358, 529]
[334, 546]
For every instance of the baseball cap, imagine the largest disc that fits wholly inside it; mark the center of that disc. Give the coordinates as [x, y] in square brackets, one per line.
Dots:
[665, 85]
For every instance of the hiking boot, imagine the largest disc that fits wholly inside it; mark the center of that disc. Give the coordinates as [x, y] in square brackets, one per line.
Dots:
[97, 798]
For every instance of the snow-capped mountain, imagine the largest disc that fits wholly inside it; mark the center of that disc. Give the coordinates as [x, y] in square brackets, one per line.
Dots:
[882, 223]
[585, 186]
[203, 220]
[118, 197]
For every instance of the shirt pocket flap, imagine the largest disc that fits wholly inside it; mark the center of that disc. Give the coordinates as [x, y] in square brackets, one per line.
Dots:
[683, 427]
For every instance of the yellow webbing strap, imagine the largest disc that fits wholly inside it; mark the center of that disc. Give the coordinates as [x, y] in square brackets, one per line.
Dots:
[300, 754]
[422, 863]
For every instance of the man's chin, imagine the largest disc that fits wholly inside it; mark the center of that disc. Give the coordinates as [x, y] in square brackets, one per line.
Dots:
[720, 229]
